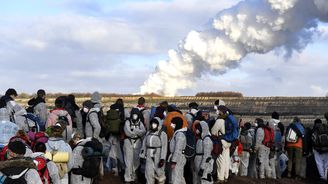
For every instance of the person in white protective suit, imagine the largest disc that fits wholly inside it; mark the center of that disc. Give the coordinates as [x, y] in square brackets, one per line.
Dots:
[154, 150]
[177, 158]
[203, 159]
[134, 130]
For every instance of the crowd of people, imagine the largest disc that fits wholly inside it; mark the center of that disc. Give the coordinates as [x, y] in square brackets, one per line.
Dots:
[158, 144]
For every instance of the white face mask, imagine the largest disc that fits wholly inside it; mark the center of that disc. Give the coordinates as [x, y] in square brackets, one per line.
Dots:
[173, 125]
[154, 126]
[255, 124]
[164, 113]
[86, 110]
[216, 107]
[193, 111]
[135, 116]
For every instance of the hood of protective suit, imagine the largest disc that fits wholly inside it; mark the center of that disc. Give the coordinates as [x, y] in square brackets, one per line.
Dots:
[160, 124]
[205, 129]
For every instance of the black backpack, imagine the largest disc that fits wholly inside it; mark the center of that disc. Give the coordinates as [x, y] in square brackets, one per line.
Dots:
[92, 153]
[5, 179]
[320, 138]
[190, 149]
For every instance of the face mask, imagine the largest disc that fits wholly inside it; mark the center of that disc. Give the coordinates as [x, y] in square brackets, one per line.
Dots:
[154, 126]
[173, 125]
[216, 107]
[164, 113]
[255, 124]
[86, 110]
[135, 116]
[217, 112]
[193, 111]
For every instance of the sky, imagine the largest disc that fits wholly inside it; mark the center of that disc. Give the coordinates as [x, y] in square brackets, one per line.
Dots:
[112, 46]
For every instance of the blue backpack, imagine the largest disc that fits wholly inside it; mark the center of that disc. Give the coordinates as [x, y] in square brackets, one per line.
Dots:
[37, 121]
[231, 129]
[152, 112]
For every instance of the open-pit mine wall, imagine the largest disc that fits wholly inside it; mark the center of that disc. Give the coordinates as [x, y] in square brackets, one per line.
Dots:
[249, 108]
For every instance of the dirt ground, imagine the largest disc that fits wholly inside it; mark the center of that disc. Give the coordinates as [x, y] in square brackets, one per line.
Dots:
[110, 179]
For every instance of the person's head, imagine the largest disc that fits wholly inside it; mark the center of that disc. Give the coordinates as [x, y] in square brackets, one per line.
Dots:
[223, 111]
[12, 93]
[75, 138]
[159, 112]
[120, 101]
[60, 102]
[247, 126]
[87, 105]
[296, 120]
[275, 115]
[141, 101]
[96, 97]
[56, 131]
[71, 98]
[135, 115]
[317, 122]
[41, 93]
[40, 147]
[193, 108]
[177, 123]
[155, 124]
[16, 149]
[164, 104]
[259, 122]
[218, 103]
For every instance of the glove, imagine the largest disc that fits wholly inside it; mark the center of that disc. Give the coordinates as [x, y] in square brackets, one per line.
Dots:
[161, 163]
[200, 172]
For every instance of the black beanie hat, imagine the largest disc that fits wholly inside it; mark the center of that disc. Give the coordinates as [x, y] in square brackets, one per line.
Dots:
[88, 104]
[17, 147]
[11, 91]
[193, 105]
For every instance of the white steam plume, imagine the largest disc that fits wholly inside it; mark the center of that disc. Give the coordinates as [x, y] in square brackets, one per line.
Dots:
[252, 26]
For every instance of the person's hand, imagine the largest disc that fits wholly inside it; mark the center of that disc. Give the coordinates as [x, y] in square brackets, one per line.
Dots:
[161, 163]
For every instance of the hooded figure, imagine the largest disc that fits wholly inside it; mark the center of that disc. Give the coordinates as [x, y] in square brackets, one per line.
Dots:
[17, 167]
[56, 144]
[154, 150]
[218, 130]
[177, 158]
[92, 125]
[262, 150]
[134, 130]
[203, 159]
[78, 162]
[60, 111]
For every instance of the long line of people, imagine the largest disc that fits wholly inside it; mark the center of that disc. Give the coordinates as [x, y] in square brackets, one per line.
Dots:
[150, 145]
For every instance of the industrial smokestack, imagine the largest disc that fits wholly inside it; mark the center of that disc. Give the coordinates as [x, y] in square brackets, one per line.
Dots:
[252, 26]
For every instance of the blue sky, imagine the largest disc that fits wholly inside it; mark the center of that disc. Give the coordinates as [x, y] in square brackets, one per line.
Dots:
[113, 46]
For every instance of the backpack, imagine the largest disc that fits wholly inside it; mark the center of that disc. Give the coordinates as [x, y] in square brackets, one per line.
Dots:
[29, 117]
[92, 153]
[320, 138]
[294, 131]
[246, 140]
[231, 129]
[43, 169]
[152, 112]
[7, 180]
[38, 137]
[268, 140]
[190, 149]
[113, 122]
